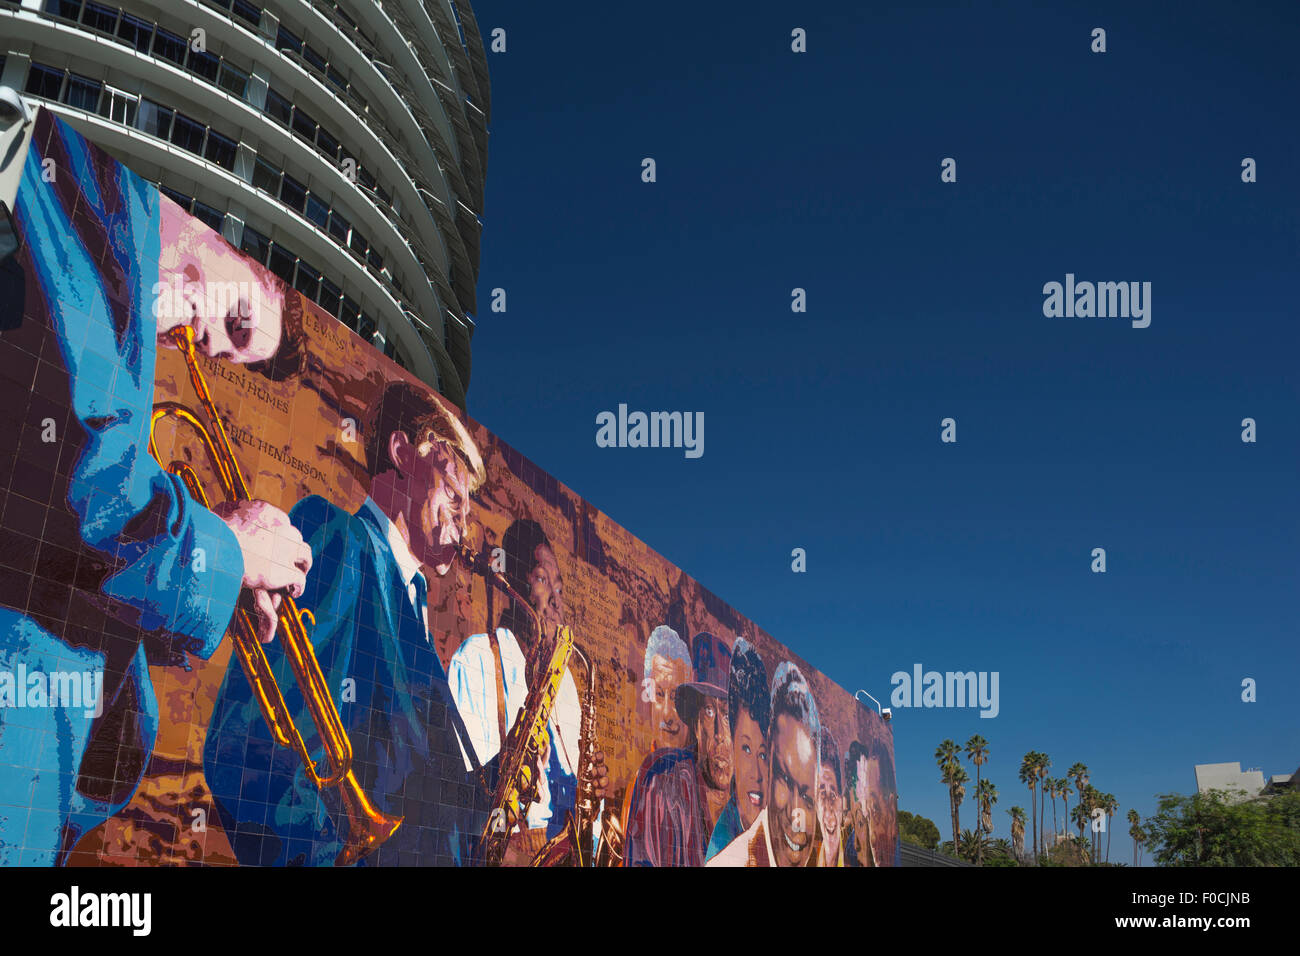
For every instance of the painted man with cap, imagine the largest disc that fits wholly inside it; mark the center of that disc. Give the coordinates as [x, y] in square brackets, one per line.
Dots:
[680, 792]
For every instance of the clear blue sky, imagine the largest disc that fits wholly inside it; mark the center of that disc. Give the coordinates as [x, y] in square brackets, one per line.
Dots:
[821, 170]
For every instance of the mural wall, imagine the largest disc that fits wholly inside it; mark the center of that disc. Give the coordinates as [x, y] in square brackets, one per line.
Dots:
[387, 638]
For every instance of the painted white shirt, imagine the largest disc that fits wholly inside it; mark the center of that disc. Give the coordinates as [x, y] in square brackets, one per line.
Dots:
[473, 686]
[406, 562]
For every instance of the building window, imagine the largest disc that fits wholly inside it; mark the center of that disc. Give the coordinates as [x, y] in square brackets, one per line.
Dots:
[317, 211]
[100, 17]
[281, 261]
[169, 47]
[375, 259]
[205, 65]
[304, 126]
[178, 197]
[68, 9]
[44, 81]
[350, 314]
[266, 177]
[287, 40]
[221, 150]
[207, 214]
[337, 78]
[248, 12]
[154, 119]
[313, 58]
[118, 106]
[329, 296]
[327, 144]
[366, 327]
[232, 79]
[188, 134]
[255, 244]
[364, 177]
[359, 243]
[278, 108]
[308, 281]
[339, 227]
[137, 32]
[292, 193]
[83, 93]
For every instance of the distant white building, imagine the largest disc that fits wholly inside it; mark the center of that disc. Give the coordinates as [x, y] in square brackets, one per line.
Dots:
[1229, 777]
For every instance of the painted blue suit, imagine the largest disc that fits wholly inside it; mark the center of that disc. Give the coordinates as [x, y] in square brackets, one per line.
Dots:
[98, 542]
[397, 710]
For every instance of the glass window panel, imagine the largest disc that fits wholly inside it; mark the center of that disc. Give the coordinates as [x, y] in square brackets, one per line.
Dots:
[248, 12]
[205, 65]
[281, 262]
[329, 296]
[278, 108]
[317, 211]
[68, 9]
[213, 217]
[327, 144]
[178, 197]
[169, 46]
[255, 244]
[292, 193]
[287, 40]
[188, 133]
[100, 17]
[313, 58]
[266, 177]
[308, 281]
[337, 78]
[304, 126]
[359, 242]
[83, 92]
[233, 79]
[220, 150]
[339, 226]
[135, 31]
[350, 313]
[154, 119]
[44, 81]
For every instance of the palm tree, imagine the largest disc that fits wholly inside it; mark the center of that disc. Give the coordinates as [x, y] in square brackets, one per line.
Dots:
[1029, 777]
[977, 752]
[1080, 815]
[1017, 815]
[959, 780]
[1054, 788]
[946, 756]
[1091, 800]
[1111, 806]
[1044, 762]
[1065, 796]
[986, 794]
[973, 845]
[1133, 830]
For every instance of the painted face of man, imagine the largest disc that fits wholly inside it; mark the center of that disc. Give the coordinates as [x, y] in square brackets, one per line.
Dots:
[792, 800]
[234, 313]
[749, 757]
[546, 589]
[713, 743]
[668, 675]
[830, 810]
[439, 493]
[883, 819]
[861, 819]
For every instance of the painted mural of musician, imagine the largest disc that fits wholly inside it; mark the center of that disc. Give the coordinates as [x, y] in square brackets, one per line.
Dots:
[830, 804]
[117, 577]
[369, 593]
[478, 669]
[783, 832]
[749, 702]
[679, 793]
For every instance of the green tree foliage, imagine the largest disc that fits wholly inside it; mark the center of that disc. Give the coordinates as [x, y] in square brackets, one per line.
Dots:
[1210, 829]
[918, 830]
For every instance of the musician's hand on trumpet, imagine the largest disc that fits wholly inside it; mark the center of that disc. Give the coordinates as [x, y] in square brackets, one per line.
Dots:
[276, 558]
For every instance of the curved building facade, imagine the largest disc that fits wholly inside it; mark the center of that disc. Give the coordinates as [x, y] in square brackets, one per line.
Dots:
[342, 143]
